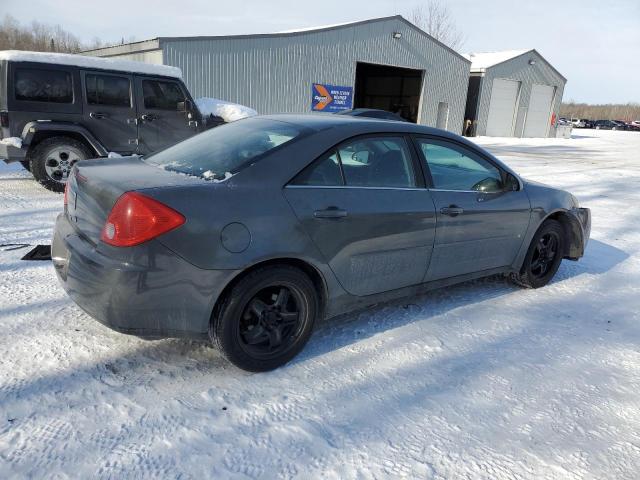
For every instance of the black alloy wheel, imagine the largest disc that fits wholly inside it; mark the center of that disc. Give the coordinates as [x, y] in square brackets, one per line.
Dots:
[544, 254]
[266, 317]
[270, 323]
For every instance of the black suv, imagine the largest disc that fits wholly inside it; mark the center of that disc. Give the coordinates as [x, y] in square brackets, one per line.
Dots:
[56, 109]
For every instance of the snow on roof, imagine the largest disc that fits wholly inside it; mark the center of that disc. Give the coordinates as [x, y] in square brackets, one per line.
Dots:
[482, 60]
[320, 27]
[90, 62]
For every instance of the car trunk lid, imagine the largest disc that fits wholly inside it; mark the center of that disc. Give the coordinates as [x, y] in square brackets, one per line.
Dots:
[96, 185]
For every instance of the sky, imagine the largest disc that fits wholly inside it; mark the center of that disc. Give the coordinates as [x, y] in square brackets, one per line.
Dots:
[594, 44]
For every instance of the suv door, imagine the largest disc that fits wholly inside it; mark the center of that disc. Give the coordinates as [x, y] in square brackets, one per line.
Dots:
[482, 215]
[109, 110]
[163, 119]
[364, 205]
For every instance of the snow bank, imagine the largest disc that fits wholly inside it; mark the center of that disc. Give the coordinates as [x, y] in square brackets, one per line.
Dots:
[228, 111]
[91, 62]
[12, 141]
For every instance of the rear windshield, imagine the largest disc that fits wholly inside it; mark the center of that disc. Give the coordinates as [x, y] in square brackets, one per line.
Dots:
[223, 151]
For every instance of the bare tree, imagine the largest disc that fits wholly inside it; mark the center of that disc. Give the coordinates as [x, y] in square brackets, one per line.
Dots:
[434, 17]
[627, 112]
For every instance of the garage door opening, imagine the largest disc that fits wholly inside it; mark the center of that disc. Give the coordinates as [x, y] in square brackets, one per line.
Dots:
[393, 89]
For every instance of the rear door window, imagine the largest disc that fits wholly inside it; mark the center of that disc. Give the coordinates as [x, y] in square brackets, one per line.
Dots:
[110, 90]
[42, 85]
[382, 162]
[162, 95]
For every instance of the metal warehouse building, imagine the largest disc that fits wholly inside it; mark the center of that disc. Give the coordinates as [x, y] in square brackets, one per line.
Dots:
[386, 63]
[513, 93]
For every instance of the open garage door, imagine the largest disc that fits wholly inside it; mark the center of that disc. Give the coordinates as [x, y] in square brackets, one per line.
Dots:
[539, 111]
[502, 107]
[393, 89]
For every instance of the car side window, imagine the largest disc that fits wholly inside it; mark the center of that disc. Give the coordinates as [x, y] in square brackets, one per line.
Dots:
[363, 162]
[162, 95]
[377, 162]
[39, 85]
[324, 172]
[455, 168]
[108, 90]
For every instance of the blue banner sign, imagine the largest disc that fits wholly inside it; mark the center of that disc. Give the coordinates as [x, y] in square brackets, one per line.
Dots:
[331, 98]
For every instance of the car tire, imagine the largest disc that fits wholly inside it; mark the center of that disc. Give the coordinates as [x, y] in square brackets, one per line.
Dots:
[52, 160]
[26, 164]
[539, 264]
[253, 326]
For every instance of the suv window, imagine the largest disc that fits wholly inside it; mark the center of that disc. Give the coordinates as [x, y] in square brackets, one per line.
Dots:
[36, 85]
[365, 162]
[162, 95]
[108, 90]
[455, 168]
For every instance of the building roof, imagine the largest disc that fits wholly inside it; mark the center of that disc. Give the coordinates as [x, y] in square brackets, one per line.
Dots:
[481, 61]
[146, 44]
[90, 62]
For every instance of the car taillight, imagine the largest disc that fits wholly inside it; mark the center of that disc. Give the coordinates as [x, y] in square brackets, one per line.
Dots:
[136, 218]
[4, 119]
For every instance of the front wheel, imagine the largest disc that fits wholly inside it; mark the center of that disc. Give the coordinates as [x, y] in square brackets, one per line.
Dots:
[543, 257]
[53, 158]
[266, 318]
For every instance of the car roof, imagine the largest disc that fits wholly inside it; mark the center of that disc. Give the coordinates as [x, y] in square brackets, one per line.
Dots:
[323, 121]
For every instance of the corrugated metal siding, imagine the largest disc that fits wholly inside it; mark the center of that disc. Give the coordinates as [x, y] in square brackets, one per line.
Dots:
[519, 69]
[151, 56]
[274, 74]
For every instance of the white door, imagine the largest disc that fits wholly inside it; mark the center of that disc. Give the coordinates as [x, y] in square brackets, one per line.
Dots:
[502, 107]
[539, 111]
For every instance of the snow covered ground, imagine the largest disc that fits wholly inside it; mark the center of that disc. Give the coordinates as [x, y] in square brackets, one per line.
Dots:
[481, 380]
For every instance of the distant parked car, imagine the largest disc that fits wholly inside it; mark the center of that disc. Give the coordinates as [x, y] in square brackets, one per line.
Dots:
[607, 125]
[250, 233]
[587, 123]
[578, 123]
[373, 113]
[58, 109]
[634, 126]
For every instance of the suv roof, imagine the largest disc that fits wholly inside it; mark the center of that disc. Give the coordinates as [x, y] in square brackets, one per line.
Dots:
[90, 62]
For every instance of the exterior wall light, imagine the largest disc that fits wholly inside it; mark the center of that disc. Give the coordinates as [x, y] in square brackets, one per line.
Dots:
[397, 35]
[532, 62]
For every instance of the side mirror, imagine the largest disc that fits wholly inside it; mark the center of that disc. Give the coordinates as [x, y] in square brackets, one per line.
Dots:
[185, 106]
[511, 183]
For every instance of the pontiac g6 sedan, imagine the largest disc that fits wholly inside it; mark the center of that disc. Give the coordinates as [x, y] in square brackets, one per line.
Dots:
[249, 233]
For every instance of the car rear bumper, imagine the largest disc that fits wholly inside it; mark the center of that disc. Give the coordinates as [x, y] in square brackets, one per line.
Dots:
[154, 293]
[9, 153]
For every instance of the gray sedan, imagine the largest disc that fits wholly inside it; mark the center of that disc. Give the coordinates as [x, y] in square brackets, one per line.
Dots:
[251, 232]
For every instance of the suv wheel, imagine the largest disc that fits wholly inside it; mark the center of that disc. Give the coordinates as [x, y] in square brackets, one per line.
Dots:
[543, 257]
[266, 318]
[53, 158]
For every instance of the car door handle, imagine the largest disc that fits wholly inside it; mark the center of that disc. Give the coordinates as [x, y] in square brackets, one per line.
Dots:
[330, 212]
[451, 210]
[98, 115]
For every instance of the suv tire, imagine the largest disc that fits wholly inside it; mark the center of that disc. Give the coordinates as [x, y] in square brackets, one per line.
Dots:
[52, 159]
[266, 318]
